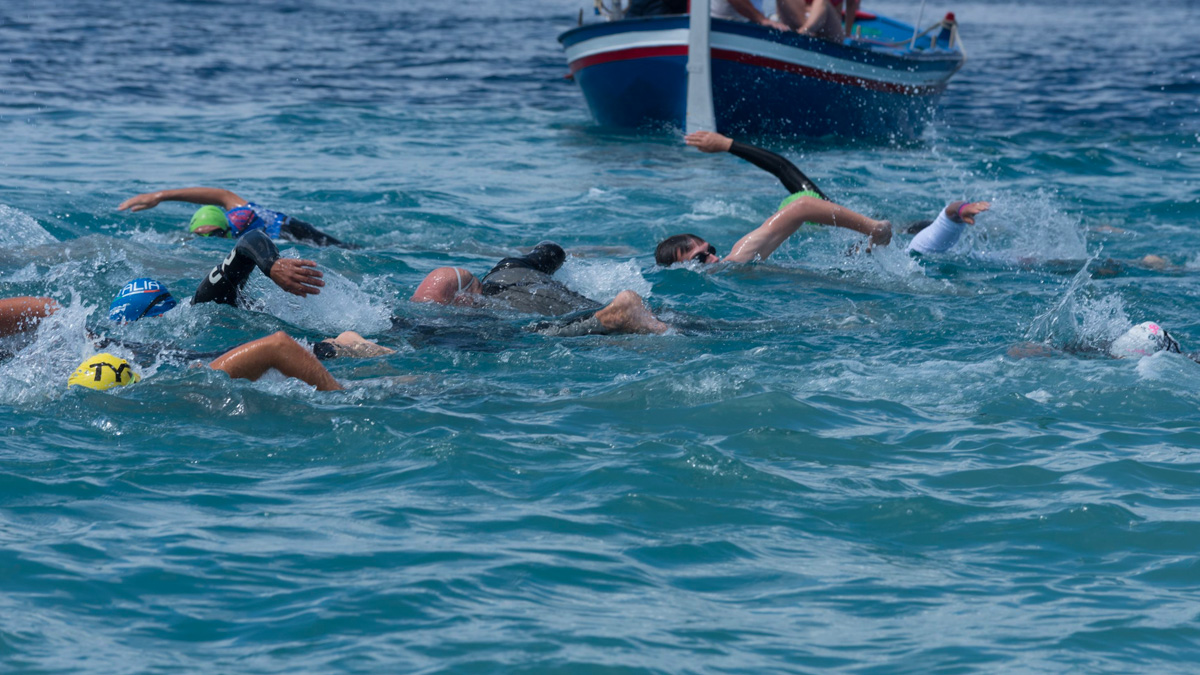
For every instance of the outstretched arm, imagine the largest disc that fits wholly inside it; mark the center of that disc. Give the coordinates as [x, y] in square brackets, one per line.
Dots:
[255, 249]
[279, 351]
[792, 178]
[21, 314]
[763, 241]
[195, 195]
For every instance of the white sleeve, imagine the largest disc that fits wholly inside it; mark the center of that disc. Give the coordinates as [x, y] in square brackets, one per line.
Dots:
[939, 237]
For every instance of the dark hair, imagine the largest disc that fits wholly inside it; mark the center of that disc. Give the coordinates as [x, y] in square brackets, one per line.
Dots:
[669, 249]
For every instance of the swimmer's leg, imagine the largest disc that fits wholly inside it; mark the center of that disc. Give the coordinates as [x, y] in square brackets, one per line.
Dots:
[279, 351]
[352, 344]
[23, 313]
[628, 314]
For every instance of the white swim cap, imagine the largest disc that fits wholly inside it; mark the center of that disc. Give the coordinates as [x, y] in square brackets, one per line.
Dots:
[1143, 339]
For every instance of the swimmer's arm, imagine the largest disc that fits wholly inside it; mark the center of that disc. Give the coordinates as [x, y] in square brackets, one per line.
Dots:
[195, 195]
[792, 178]
[255, 249]
[298, 277]
[298, 230]
[763, 241]
[21, 314]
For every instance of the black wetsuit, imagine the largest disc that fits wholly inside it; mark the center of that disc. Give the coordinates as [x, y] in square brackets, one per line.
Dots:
[225, 282]
[526, 284]
[298, 230]
[792, 178]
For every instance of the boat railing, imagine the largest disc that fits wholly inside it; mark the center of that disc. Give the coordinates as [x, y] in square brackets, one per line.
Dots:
[947, 24]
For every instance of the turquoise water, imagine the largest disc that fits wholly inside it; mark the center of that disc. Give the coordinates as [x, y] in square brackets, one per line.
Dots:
[831, 464]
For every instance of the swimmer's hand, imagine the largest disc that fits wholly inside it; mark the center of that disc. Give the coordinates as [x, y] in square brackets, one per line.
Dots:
[881, 234]
[298, 277]
[141, 202]
[967, 212]
[708, 141]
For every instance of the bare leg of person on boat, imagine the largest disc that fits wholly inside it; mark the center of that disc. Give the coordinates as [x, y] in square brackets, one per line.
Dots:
[823, 21]
[280, 352]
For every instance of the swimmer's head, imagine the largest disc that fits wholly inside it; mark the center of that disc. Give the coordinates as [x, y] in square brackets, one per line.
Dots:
[547, 257]
[1143, 339]
[103, 371]
[140, 298]
[685, 247]
[446, 285]
[209, 221]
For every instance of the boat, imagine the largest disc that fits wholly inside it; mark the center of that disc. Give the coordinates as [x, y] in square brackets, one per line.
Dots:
[884, 82]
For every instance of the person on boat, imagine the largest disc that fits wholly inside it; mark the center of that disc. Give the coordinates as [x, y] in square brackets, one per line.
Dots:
[936, 236]
[225, 214]
[791, 13]
[526, 284]
[826, 19]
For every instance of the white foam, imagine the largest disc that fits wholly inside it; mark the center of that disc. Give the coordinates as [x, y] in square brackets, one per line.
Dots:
[341, 305]
[602, 280]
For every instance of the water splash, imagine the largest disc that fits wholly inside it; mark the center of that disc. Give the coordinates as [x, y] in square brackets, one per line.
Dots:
[19, 230]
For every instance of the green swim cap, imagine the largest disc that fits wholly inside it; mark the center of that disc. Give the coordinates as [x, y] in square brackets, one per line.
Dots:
[796, 195]
[209, 216]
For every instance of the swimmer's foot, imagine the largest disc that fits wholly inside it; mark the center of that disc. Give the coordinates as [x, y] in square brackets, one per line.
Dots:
[352, 344]
[628, 314]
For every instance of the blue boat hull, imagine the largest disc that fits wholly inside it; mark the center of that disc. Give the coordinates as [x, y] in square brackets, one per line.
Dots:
[633, 74]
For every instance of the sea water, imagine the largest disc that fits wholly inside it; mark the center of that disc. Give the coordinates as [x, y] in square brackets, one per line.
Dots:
[834, 461]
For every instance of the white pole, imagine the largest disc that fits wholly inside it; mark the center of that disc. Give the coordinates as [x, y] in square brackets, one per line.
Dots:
[700, 113]
[917, 26]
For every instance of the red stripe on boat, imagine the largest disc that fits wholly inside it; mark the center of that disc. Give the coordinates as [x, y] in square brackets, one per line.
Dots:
[626, 55]
[852, 80]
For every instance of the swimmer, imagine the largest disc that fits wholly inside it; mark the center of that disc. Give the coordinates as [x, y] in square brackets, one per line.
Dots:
[225, 214]
[249, 361]
[1145, 339]
[940, 239]
[526, 284]
[145, 297]
[225, 283]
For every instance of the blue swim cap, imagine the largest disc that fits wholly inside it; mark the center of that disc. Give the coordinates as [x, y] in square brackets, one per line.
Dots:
[140, 297]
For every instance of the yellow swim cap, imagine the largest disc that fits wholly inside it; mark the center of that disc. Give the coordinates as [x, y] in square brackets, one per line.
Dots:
[103, 371]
